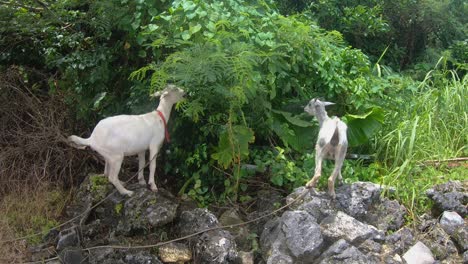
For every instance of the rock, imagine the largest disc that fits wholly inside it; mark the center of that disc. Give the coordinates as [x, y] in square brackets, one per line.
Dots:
[240, 233]
[357, 198]
[68, 238]
[343, 226]
[451, 196]
[93, 189]
[41, 252]
[386, 215]
[419, 254]
[465, 257]
[460, 236]
[342, 252]
[72, 256]
[439, 243]
[400, 241]
[317, 204]
[370, 247]
[450, 221]
[113, 256]
[174, 252]
[196, 220]
[146, 210]
[217, 246]
[292, 238]
[141, 257]
[246, 257]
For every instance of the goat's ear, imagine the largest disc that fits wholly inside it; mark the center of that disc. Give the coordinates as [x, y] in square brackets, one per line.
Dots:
[156, 94]
[328, 103]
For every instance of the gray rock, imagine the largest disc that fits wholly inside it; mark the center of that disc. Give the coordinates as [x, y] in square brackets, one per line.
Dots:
[72, 256]
[465, 257]
[41, 252]
[113, 256]
[146, 210]
[196, 220]
[439, 243]
[217, 246]
[240, 233]
[68, 238]
[295, 236]
[451, 196]
[343, 226]
[317, 204]
[386, 215]
[342, 252]
[370, 247]
[419, 254]
[400, 241]
[460, 236]
[141, 257]
[93, 189]
[357, 198]
[450, 221]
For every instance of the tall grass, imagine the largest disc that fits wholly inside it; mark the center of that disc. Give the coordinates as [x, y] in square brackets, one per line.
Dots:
[431, 124]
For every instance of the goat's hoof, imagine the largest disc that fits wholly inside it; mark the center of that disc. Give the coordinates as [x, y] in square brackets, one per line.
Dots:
[154, 188]
[142, 182]
[332, 196]
[128, 193]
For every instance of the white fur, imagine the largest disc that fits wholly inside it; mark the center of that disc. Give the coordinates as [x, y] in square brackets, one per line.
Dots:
[125, 135]
[332, 142]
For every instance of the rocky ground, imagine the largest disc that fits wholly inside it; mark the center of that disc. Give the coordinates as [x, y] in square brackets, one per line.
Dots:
[358, 227]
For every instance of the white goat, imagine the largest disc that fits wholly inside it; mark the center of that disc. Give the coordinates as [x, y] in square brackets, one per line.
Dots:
[124, 135]
[332, 143]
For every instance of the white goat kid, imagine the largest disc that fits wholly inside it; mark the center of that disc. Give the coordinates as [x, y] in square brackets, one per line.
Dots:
[332, 143]
[124, 135]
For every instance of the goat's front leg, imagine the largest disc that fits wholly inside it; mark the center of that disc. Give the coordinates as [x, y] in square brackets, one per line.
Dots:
[141, 165]
[318, 166]
[153, 153]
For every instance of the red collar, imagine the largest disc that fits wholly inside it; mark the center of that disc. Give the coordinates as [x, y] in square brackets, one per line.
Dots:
[166, 132]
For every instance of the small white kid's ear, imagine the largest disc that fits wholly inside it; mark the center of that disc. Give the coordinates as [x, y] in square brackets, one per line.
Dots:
[328, 103]
[156, 94]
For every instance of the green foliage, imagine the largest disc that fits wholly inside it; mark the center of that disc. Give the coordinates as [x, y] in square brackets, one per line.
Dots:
[247, 70]
[361, 128]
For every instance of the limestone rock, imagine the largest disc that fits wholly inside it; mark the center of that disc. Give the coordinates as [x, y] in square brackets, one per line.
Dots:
[450, 196]
[293, 238]
[343, 226]
[451, 221]
[146, 210]
[356, 199]
[419, 254]
[174, 253]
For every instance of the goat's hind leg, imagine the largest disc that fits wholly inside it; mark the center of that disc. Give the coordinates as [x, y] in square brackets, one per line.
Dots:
[340, 153]
[114, 162]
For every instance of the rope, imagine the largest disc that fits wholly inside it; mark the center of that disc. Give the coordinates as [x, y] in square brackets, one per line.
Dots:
[190, 235]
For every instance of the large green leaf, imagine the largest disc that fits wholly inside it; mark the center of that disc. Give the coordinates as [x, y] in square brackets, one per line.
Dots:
[294, 132]
[362, 127]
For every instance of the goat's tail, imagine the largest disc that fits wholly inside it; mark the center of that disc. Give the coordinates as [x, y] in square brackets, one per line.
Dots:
[79, 143]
